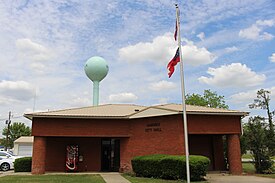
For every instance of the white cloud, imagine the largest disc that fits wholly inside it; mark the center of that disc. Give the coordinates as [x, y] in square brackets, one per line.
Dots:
[201, 36]
[227, 50]
[272, 58]
[123, 98]
[233, 75]
[159, 50]
[243, 97]
[255, 31]
[247, 97]
[163, 100]
[195, 56]
[80, 101]
[162, 85]
[269, 23]
[15, 91]
[231, 49]
[33, 53]
[162, 49]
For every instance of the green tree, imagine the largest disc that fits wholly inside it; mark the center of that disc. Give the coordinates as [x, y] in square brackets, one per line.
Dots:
[263, 102]
[244, 145]
[209, 99]
[16, 130]
[256, 140]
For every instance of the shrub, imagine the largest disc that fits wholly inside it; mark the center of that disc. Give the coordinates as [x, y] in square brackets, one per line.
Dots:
[170, 166]
[23, 164]
[263, 163]
[147, 166]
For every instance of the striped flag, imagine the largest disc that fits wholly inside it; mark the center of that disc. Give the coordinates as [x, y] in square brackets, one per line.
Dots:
[171, 65]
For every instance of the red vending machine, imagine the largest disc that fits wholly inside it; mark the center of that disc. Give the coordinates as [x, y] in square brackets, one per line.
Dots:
[71, 158]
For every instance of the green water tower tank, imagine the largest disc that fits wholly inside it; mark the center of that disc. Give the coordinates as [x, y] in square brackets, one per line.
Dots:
[96, 68]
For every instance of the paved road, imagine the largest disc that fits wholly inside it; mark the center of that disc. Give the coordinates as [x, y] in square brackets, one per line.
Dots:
[225, 178]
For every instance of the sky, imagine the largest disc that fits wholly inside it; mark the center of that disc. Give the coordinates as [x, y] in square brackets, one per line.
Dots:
[227, 47]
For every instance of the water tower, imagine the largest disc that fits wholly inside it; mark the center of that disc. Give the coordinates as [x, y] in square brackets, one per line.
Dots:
[96, 69]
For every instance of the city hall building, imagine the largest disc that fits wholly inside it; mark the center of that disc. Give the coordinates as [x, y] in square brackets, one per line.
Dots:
[107, 137]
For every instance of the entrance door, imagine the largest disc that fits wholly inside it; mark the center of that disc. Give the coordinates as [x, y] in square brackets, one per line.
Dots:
[110, 154]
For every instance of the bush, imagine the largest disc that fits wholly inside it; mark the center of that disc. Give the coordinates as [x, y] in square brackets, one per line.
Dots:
[263, 163]
[23, 164]
[170, 166]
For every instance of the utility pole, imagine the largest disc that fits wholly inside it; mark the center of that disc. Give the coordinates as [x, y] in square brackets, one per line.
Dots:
[8, 122]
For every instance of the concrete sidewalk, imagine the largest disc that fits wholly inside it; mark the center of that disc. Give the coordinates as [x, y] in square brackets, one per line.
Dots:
[226, 178]
[113, 178]
[11, 172]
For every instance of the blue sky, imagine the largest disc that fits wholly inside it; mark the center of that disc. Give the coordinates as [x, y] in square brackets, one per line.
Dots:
[228, 47]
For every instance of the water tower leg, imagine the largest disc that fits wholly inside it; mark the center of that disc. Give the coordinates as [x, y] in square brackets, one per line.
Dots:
[96, 93]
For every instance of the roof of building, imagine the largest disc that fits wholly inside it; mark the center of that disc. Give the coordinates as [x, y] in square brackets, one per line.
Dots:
[24, 139]
[130, 111]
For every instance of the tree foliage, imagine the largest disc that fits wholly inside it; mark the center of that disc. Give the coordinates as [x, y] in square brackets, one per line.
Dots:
[16, 130]
[209, 99]
[256, 140]
[263, 102]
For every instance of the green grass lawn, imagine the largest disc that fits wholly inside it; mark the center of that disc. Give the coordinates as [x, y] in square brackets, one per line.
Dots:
[250, 156]
[268, 175]
[52, 179]
[151, 180]
[250, 169]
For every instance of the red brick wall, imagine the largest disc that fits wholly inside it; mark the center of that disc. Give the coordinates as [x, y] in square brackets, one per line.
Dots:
[80, 127]
[234, 154]
[144, 138]
[147, 139]
[170, 139]
[39, 155]
[197, 124]
[213, 124]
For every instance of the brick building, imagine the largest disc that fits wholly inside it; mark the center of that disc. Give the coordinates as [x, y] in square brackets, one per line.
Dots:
[109, 136]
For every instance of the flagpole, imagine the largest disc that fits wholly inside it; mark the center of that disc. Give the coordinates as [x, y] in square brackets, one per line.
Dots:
[183, 98]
